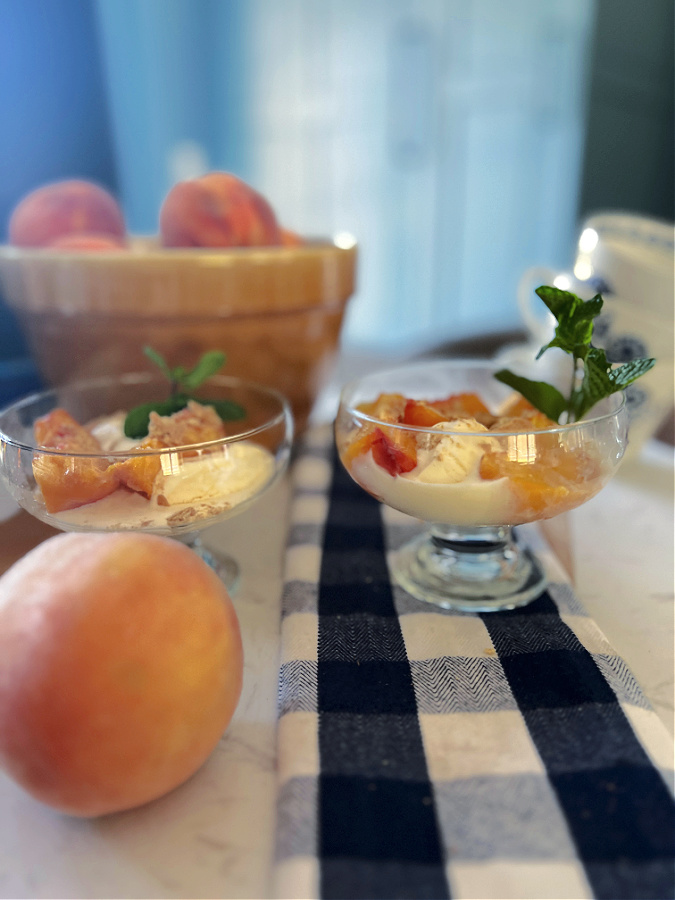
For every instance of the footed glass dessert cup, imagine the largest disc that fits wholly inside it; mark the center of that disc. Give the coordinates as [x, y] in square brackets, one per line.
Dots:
[447, 443]
[65, 459]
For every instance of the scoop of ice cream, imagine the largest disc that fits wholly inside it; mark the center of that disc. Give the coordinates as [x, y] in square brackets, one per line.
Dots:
[230, 472]
[451, 458]
[109, 432]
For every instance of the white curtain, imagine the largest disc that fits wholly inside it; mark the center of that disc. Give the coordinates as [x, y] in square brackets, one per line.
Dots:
[446, 135]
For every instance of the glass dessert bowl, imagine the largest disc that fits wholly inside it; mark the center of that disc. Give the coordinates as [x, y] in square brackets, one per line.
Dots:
[447, 443]
[65, 458]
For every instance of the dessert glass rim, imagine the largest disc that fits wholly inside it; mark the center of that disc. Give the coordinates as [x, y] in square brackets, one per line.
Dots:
[616, 401]
[135, 378]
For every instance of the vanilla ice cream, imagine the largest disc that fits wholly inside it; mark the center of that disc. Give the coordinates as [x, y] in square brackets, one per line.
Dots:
[191, 485]
[109, 432]
[450, 458]
[187, 490]
[473, 501]
[233, 470]
[445, 486]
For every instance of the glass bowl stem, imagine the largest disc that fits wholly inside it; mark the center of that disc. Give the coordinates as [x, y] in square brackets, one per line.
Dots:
[222, 564]
[471, 569]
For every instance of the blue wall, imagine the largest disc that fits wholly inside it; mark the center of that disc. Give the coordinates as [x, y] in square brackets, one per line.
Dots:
[53, 112]
[175, 74]
[53, 104]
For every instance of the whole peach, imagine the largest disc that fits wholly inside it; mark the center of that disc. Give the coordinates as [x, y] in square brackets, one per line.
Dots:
[64, 207]
[120, 668]
[217, 210]
[87, 241]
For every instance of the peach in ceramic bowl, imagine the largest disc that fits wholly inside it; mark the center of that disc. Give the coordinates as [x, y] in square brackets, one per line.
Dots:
[90, 300]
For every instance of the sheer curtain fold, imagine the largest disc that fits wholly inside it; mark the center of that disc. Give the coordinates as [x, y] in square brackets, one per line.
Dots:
[446, 135]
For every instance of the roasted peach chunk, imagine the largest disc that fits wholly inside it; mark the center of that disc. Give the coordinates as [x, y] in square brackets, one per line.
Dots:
[195, 424]
[395, 450]
[556, 480]
[421, 415]
[360, 445]
[389, 407]
[58, 430]
[519, 406]
[386, 408]
[535, 422]
[464, 405]
[139, 473]
[67, 482]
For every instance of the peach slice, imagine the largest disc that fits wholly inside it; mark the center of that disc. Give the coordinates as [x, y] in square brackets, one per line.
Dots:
[464, 405]
[556, 481]
[421, 415]
[67, 482]
[395, 451]
[138, 473]
[194, 424]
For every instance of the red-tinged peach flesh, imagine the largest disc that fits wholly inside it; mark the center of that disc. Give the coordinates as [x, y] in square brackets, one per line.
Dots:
[395, 450]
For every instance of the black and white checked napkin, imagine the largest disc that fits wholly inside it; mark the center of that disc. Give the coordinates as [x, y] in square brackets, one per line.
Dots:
[431, 754]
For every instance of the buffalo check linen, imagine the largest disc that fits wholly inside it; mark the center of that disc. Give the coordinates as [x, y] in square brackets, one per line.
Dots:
[431, 754]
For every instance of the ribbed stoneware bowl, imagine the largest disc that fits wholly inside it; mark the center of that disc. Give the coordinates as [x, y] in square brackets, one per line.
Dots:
[275, 311]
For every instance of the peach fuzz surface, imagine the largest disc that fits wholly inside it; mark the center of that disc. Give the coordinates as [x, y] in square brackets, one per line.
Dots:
[65, 208]
[120, 668]
[217, 210]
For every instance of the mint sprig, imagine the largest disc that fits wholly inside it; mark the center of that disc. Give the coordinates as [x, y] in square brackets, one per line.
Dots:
[183, 383]
[593, 376]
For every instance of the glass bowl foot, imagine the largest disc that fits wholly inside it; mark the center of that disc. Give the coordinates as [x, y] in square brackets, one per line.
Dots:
[469, 569]
[225, 567]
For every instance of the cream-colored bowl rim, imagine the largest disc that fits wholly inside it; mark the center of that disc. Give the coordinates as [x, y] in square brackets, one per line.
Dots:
[148, 280]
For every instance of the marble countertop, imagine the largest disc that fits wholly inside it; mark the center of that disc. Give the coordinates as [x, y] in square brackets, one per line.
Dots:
[214, 835]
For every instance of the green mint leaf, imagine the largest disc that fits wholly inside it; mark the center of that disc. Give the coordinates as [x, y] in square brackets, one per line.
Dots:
[183, 383]
[545, 397]
[138, 418]
[208, 365]
[602, 380]
[591, 309]
[596, 383]
[575, 319]
[629, 372]
[561, 303]
[573, 334]
[159, 361]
